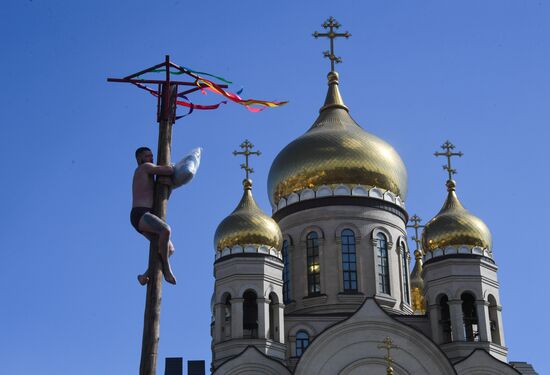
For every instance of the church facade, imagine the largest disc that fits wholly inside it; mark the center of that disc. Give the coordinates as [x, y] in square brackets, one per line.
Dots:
[324, 285]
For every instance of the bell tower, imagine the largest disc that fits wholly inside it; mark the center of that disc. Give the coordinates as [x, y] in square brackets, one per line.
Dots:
[460, 278]
[248, 267]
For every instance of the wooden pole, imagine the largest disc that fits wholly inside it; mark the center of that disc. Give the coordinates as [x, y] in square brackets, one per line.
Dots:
[151, 323]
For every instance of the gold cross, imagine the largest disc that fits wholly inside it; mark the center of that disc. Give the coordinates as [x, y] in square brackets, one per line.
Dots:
[416, 220]
[331, 24]
[448, 146]
[247, 146]
[388, 345]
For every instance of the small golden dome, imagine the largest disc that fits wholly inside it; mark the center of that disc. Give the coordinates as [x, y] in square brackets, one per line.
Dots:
[455, 226]
[417, 285]
[248, 225]
[336, 150]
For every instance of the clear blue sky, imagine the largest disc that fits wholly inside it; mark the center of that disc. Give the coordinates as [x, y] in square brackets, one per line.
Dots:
[415, 73]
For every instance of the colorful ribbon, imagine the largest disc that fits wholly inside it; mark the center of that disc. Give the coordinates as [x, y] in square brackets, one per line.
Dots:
[236, 98]
[211, 86]
[187, 104]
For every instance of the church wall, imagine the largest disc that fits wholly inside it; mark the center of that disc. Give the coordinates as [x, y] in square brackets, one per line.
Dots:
[353, 347]
[234, 276]
[328, 222]
[295, 323]
[453, 277]
[419, 322]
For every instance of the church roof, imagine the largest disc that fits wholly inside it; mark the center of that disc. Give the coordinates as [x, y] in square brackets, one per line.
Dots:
[247, 225]
[336, 151]
[455, 226]
[356, 341]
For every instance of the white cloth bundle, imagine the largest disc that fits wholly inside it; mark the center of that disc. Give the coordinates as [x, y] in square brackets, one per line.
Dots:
[186, 168]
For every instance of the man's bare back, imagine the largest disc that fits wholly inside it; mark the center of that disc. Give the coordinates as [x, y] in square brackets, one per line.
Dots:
[141, 217]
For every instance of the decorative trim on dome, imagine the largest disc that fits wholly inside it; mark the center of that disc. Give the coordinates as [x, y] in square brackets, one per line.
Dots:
[339, 190]
[452, 250]
[249, 249]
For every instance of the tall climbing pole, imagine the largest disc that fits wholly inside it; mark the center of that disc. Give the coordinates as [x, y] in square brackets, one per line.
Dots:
[167, 94]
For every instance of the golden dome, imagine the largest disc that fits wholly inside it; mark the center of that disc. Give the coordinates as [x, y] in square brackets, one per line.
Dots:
[248, 225]
[455, 226]
[336, 150]
[417, 285]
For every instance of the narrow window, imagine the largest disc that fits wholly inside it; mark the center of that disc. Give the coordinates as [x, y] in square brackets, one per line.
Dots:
[383, 266]
[469, 314]
[302, 342]
[493, 318]
[313, 266]
[445, 322]
[349, 264]
[286, 274]
[226, 324]
[405, 272]
[273, 316]
[250, 315]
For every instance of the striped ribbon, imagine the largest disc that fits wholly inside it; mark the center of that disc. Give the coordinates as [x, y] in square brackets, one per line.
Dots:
[236, 98]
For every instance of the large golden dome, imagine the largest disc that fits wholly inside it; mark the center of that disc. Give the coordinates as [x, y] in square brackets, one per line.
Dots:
[248, 225]
[334, 151]
[455, 226]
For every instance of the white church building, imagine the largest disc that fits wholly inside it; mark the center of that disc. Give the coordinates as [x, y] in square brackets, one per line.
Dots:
[324, 285]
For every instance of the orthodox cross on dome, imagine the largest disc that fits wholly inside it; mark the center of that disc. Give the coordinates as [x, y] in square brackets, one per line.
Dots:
[331, 24]
[416, 224]
[448, 146]
[247, 146]
[388, 345]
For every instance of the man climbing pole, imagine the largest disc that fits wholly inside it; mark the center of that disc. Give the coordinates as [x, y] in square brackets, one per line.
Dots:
[141, 216]
[150, 198]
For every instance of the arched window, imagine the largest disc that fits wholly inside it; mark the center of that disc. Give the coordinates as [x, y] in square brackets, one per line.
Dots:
[383, 264]
[493, 318]
[405, 272]
[445, 322]
[469, 314]
[226, 324]
[313, 266]
[273, 316]
[349, 263]
[250, 315]
[302, 342]
[286, 273]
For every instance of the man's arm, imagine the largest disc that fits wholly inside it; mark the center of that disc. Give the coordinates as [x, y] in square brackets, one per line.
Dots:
[159, 170]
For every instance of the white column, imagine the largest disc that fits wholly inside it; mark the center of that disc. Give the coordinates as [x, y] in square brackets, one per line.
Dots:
[500, 328]
[263, 317]
[237, 318]
[484, 327]
[323, 267]
[280, 323]
[401, 276]
[457, 320]
[435, 317]
[393, 276]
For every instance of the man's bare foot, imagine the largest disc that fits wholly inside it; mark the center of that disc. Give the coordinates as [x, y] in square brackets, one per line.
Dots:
[167, 272]
[143, 279]
[166, 269]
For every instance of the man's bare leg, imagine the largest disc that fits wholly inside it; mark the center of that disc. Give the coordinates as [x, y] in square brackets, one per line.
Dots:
[150, 225]
[144, 278]
[164, 252]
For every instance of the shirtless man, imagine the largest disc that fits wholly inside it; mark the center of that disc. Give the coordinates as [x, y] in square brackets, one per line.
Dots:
[141, 217]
